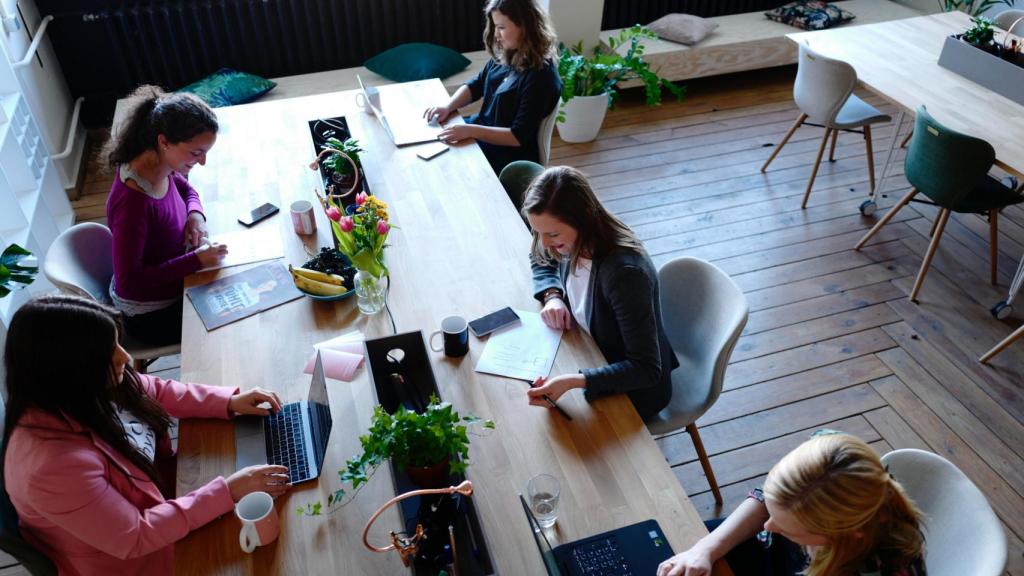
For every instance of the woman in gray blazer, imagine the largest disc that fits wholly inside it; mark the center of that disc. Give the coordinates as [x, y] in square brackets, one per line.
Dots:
[590, 270]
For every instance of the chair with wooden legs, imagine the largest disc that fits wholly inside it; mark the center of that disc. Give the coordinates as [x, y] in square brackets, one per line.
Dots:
[951, 169]
[703, 312]
[823, 92]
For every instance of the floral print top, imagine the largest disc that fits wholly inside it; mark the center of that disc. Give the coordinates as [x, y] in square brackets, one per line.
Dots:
[878, 565]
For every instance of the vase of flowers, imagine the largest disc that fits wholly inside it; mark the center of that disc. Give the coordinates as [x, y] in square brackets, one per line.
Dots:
[360, 232]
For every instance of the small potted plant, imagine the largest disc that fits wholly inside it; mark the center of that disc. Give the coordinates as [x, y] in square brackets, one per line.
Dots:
[981, 35]
[588, 82]
[340, 167]
[14, 274]
[430, 446]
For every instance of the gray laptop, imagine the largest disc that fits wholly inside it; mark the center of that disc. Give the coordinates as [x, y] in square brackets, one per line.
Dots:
[404, 126]
[296, 436]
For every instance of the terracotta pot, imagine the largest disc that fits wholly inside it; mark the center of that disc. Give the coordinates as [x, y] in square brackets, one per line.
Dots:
[435, 476]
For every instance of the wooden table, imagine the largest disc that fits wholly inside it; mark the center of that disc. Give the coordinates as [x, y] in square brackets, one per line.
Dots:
[460, 249]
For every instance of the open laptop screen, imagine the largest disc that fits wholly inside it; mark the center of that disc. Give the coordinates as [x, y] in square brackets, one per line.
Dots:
[319, 413]
[546, 553]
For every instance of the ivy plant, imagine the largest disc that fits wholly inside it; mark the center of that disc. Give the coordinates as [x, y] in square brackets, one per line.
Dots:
[409, 439]
[598, 73]
[13, 274]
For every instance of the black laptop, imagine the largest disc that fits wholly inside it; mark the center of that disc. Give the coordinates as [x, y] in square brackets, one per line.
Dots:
[296, 436]
[634, 549]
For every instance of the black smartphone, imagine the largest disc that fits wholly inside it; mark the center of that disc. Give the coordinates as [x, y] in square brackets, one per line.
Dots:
[257, 214]
[484, 325]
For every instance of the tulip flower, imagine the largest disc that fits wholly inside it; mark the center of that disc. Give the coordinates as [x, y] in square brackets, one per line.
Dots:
[334, 214]
[346, 224]
[382, 227]
[361, 198]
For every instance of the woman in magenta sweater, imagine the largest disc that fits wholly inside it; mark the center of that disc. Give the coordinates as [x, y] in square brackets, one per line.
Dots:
[154, 214]
[85, 439]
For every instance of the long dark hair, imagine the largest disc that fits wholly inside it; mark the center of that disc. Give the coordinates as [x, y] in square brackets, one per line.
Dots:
[564, 193]
[179, 116]
[82, 333]
[538, 42]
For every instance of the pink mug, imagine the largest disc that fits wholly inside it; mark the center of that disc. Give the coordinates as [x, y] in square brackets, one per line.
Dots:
[302, 217]
[259, 520]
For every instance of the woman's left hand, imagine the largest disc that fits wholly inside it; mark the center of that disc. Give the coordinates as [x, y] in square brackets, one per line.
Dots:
[248, 402]
[554, 388]
[453, 134]
[195, 230]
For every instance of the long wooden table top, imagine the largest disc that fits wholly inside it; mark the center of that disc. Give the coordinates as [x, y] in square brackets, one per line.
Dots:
[899, 61]
[460, 248]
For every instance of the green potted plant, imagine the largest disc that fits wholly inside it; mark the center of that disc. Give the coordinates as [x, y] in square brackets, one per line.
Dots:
[588, 82]
[340, 167]
[972, 7]
[980, 34]
[429, 446]
[14, 275]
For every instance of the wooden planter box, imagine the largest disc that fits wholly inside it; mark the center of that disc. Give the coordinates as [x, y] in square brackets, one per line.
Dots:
[992, 72]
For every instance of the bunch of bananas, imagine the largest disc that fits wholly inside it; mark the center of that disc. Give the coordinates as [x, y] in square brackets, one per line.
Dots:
[316, 282]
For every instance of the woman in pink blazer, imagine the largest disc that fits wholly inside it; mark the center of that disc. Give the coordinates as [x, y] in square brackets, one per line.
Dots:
[86, 436]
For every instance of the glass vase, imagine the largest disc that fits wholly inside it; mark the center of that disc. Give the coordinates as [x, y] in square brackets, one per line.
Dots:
[369, 292]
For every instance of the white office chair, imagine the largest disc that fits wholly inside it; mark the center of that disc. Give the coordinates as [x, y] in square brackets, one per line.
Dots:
[80, 262]
[703, 312]
[547, 128]
[1010, 18]
[823, 92]
[962, 533]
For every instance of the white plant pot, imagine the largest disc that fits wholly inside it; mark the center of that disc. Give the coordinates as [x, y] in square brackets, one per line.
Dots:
[583, 118]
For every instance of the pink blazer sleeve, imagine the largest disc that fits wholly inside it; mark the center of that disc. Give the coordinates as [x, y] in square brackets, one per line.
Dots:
[188, 400]
[73, 492]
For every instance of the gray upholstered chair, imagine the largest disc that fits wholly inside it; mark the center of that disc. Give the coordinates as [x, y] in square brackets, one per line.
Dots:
[703, 312]
[962, 533]
[823, 92]
[80, 262]
[1008, 18]
[11, 542]
[516, 178]
[547, 128]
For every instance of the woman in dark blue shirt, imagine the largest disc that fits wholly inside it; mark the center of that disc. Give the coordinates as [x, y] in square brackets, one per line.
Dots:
[520, 85]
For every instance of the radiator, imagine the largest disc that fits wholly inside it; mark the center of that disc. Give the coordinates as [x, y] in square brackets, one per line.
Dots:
[108, 47]
[624, 13]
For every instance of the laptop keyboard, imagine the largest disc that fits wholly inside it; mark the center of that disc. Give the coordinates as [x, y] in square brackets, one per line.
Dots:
[601, 558]
[286, 445]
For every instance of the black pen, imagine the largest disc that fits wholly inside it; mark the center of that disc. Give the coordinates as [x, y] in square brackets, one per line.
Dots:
[553, 404]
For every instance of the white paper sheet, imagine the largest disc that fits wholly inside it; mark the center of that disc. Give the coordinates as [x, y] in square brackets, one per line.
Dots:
[525, 352]
[247, 246]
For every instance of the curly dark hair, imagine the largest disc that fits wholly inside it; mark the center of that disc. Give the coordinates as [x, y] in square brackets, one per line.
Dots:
[179, 116]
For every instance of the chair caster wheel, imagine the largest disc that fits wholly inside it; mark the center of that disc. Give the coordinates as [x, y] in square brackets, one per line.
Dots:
[868, 207]
[1001, 311]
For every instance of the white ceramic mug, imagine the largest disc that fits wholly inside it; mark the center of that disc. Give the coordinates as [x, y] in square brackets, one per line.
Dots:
[361, 102]
[259, 520]
[303, 219]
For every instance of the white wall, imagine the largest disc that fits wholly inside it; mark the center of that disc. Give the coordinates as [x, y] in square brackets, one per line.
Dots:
[576, 20]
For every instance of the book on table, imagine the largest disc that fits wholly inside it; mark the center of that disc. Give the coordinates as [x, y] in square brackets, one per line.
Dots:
[238, 296]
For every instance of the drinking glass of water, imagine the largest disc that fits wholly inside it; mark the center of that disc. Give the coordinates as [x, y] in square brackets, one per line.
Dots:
[543, 490]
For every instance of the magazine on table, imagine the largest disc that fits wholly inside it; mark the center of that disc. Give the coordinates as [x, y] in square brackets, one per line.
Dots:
[238, 296]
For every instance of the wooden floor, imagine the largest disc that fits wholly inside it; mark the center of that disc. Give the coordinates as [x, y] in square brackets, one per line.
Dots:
[832, 340]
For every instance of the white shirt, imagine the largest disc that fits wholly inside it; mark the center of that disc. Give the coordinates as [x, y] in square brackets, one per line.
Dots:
[577, 284]
[139, 433]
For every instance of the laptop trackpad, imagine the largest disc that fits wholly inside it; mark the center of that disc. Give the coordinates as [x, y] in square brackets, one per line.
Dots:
[250, 442]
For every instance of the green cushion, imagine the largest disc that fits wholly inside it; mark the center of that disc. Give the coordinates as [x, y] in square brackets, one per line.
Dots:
[227, 87]
[417, 61]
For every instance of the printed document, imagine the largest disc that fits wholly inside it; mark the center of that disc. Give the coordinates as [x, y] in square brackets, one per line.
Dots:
[524, 351]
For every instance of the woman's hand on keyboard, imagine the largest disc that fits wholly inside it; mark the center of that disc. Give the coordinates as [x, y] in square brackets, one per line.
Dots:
[260, 478]
[249, 402]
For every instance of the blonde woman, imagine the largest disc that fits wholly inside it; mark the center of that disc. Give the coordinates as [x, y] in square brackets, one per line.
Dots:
[519, 85]
[829, 508]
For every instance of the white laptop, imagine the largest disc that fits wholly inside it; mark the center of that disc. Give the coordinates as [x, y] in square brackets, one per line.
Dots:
[404, 124]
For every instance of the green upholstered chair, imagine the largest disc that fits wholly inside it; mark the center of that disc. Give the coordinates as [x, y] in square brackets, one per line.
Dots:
[516, 178]
[951, 169]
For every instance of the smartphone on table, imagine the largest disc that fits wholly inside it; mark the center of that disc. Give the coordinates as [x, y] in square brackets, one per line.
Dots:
[256, 214]
[484, 325]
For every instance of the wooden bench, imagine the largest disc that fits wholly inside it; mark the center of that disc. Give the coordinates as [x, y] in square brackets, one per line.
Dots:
[748, 41]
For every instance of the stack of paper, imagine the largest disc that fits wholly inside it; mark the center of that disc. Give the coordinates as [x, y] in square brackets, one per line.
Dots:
[247, 246]
[525, 352]
[341, 356]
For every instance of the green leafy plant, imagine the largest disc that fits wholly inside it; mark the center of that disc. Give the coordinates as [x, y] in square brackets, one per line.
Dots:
[981, 33]
[13, 274]
[409, 439]
[598, 73]
[337, 162]
[972, 7]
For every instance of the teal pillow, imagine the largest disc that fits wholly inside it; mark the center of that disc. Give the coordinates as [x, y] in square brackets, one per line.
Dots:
[227, 87]
[417, 61]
